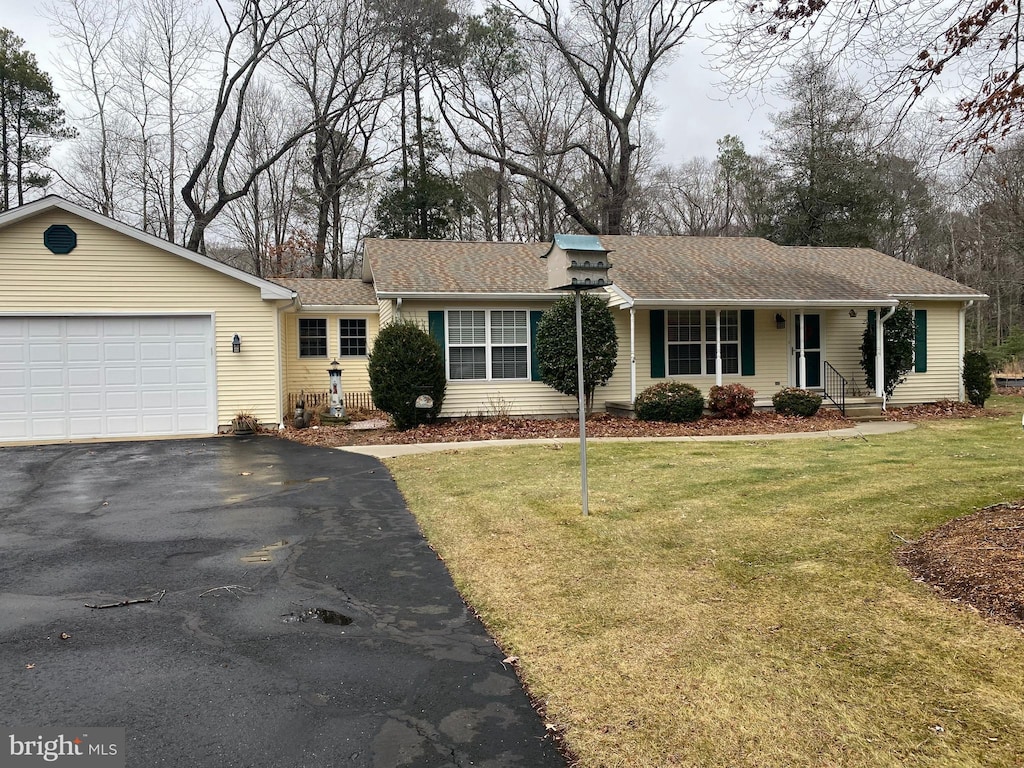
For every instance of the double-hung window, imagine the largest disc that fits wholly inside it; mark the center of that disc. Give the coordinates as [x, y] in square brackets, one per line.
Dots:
[312, 337]
[352, 335]
[488, 344]
[692, 337]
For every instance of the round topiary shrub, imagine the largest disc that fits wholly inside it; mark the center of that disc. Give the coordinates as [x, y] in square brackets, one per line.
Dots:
[977, 378]
[731, 401]
[669, 401]
[793, 401]
[405, 364]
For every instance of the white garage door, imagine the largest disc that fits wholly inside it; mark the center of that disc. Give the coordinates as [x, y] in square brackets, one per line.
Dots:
[76, 377]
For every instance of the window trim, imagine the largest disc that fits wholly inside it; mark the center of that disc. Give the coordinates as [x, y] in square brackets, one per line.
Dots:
[342, 337]
[705, 345]
[299, 338]
[488, 344]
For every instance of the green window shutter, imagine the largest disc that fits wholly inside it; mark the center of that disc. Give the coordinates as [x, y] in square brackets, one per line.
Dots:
[435, 323]
[920, 340]
[535, 316]
[657, 344]
[746, 342]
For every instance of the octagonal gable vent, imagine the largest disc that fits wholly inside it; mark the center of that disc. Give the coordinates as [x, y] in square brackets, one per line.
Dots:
[60, 238]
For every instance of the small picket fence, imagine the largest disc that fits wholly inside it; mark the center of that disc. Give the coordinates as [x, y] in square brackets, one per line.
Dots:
[316, 400]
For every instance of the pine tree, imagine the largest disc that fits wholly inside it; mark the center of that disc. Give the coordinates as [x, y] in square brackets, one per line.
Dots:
[30, 119]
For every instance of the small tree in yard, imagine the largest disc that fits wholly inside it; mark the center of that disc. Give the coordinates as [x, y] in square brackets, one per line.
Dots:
[898, 334]
[977, 378]
[556, 346]
[405, 363]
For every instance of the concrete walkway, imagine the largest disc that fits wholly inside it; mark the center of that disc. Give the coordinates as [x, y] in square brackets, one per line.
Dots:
[864, 430]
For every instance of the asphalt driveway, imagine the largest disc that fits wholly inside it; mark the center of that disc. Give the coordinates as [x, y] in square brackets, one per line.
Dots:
[298, 618]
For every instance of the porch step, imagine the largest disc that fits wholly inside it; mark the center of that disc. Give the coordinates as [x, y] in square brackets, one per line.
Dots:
[863, 408]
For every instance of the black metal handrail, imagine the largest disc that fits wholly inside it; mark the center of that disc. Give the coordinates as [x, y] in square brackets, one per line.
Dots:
[835, 387]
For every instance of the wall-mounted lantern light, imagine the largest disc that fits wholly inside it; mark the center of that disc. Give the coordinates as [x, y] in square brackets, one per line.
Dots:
[236, 343]
[853, 313]
[780, 322]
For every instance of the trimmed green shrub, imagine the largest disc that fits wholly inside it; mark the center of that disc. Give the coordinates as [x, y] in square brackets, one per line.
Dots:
[669, 401]
[556, 346]
[405, 363]
[977, 378]
[793, 401]
[733, 401]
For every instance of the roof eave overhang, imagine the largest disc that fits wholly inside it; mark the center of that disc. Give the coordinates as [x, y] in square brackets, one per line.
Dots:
[468, 296]
[268, 290]
[941, 296]
[372, 309]
[713, 302]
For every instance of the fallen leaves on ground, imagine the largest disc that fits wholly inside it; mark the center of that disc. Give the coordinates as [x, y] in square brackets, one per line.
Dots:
[977, 560]
[943, 409]
[598, 425]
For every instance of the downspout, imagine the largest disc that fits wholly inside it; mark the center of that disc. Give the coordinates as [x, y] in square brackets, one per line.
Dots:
[963, 348]
[633, 354]
[880, 354]
[398, 308]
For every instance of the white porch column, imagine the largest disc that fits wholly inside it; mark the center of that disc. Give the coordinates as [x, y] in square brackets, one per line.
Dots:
[880, 352]
[879, 356]
[633, 354]
[718, 347]
[801, 374]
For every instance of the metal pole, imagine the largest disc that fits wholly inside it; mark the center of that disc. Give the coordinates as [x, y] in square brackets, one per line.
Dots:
[583, 400]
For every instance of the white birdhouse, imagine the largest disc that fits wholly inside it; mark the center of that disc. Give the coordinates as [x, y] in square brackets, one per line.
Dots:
[577, 263]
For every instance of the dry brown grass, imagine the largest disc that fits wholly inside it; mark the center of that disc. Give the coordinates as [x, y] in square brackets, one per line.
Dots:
[738, 604]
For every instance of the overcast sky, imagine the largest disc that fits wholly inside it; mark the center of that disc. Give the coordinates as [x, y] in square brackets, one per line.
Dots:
[694, 111]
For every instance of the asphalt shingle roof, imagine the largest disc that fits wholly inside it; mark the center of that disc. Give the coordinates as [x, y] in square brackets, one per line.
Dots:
[330, 292]
[652, 269]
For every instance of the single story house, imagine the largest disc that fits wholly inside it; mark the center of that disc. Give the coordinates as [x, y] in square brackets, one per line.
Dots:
[109, 332]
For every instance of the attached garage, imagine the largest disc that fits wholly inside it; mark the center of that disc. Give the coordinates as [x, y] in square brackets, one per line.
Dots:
[77, 377]
[108, 332]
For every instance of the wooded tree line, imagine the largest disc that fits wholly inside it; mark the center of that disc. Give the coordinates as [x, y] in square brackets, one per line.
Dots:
[280, 133]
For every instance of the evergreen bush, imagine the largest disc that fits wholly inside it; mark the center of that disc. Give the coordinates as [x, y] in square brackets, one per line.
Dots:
[977, 378]
[669, 401]
[733, 401]
[406, 363]
[793, 401]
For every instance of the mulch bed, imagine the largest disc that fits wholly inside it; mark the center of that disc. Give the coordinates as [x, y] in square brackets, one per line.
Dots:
[943, 409]
[977, 560]
[598, 425]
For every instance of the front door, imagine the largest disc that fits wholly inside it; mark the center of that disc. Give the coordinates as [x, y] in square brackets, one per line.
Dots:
[807, 344]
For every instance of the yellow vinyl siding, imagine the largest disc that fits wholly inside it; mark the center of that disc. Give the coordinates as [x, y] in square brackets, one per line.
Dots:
[309, 374]
[843, 337]
[495, 397]
[942, 379]
[109, 273]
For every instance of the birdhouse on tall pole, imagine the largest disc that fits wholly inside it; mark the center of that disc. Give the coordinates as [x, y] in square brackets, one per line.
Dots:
[578, 263]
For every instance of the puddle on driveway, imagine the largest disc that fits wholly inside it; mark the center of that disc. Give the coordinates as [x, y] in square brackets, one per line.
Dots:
[318, 614]
[264, 554]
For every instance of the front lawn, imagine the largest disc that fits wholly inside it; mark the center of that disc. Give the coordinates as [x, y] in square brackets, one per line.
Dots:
[738, 604]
